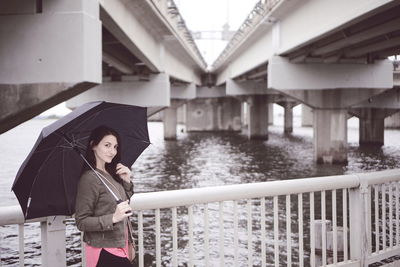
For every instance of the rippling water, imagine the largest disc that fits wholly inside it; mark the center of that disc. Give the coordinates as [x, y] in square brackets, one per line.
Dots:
[194, 160]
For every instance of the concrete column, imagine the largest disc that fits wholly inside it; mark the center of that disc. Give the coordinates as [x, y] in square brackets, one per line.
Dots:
[213, 114]
[230, 114]
[170, 122]
[271, 114]
[258, 117]
[330, 135]
[244, 116]
[181, 114]
[170, 119]
[393, 121]
[372, 126]
[306, 116]
[288, 117]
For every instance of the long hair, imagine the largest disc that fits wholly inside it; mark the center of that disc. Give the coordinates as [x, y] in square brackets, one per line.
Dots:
[94, 139]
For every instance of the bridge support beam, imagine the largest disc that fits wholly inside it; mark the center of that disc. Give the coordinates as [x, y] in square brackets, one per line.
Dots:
[257, 117]
[49, 53]
[154, 92]
[330, 135]
[213, 114]
[330, 89]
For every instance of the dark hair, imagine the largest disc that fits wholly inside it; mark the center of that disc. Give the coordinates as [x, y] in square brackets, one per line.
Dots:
[94, 139]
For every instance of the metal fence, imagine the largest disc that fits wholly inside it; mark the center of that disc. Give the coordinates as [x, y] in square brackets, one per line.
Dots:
[348, 220]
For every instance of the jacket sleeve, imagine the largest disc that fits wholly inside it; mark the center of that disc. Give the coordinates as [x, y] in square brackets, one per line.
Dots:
[86, 200]
[128, 188]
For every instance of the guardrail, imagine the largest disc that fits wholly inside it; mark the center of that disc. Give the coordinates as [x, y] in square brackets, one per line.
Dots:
[170, 12]
[347, 220]
[260, 14]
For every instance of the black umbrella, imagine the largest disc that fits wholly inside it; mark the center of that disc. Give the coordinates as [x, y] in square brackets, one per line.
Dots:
[47, 180]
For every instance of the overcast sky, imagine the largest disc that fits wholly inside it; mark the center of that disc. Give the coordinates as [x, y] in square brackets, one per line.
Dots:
[212, 15]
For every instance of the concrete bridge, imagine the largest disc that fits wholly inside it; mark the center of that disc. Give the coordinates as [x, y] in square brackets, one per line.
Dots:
[328, 55]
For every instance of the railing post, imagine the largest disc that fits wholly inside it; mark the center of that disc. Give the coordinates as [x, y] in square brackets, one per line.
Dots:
[358, 198]
[53, 242]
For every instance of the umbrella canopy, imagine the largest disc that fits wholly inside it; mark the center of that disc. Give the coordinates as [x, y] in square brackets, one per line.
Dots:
[46, 183]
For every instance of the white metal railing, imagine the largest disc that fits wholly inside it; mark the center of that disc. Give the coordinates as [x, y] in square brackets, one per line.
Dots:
[170, 12]
[261, 14]
[348, 220]
[52, 233]
[253, 214]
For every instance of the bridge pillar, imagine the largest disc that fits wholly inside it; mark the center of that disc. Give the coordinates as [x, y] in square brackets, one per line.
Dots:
[257, 117]
[213, 114]
[170, 119]
[330, 135]
[393, 121]
[170, 122]
[306, 116]
[288, 115]
[372, 124]
[288, 118]
[271, 114]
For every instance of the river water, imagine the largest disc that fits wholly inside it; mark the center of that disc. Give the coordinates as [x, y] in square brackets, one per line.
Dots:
[194, 160]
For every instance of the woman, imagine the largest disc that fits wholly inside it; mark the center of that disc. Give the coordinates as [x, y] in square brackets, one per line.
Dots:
[104, 223]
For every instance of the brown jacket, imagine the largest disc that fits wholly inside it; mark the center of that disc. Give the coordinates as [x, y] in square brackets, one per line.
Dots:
[94, 210]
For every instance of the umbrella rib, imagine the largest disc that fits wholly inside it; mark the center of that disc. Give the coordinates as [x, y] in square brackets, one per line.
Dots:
[77, 143]
[88, 118]
[137, 139]
[51, 148]
[64, 184]
[93, 116]
[34, 180]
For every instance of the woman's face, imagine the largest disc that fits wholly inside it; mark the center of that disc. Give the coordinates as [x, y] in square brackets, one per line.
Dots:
[106, 150]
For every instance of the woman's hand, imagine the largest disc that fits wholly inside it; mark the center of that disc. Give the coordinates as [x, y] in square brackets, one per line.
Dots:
[124, 172]
[122, 211]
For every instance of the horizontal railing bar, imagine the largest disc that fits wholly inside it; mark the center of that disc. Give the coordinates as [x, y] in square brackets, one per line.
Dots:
[13, 215]
[355, 263]
[380, 177]
[187, 197]
[391, 264]
[381, 255]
